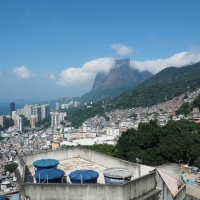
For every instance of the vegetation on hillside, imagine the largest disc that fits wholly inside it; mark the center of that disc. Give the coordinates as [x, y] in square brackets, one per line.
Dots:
[154, 94]
[10, 167]
[80, 115]
[167, 84]
[26, 121]
[8, 122]
[154, 145]
[46, 122]
[173, 74]
[187, 107]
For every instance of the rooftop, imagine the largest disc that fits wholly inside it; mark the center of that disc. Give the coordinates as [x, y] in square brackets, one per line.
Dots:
[73, 164]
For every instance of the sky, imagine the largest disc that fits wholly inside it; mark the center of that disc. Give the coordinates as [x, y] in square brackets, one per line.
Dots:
[52, 49]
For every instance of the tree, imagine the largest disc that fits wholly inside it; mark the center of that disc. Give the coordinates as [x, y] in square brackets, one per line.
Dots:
[26, 121]
[10, 167]
[156, 145]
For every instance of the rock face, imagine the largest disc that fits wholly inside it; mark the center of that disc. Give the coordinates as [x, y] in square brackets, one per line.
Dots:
[122, 77]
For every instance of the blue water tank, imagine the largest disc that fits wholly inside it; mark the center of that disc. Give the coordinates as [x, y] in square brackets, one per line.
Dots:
[45, 164]
[3, 197]
[49, 175]
[84, 176]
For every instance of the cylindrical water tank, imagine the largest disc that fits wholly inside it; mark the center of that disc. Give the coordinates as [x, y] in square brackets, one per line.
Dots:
[117, 175]
[84, 176]
[49, 175]
[45, 164]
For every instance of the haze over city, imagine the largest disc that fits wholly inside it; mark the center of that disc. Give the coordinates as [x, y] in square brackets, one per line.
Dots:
[51, 49]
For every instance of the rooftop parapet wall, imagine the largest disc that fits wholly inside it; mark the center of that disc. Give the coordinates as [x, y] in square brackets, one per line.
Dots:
[92, 156]
[108, 161]
[131, 190]
[21, 167]
[59, 155]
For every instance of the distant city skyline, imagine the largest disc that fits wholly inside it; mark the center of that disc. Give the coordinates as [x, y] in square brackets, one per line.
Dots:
[52, 49]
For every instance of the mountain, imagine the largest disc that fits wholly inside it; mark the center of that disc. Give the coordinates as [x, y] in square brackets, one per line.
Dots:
[165, 85]
[121, 78]
[172, 74]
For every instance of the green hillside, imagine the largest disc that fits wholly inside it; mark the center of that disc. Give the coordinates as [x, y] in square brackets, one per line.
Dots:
[172, 74]
[154, 94]
[165, 85]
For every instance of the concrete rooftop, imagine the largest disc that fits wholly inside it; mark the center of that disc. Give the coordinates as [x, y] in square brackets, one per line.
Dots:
[71, 165]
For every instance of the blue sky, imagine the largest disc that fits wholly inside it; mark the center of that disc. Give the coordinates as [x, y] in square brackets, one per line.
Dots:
[53, 49]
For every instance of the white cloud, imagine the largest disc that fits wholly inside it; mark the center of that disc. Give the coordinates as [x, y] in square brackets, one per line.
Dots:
[23, 73]
[49, 76]
[121, 49]
[177, 60]
[85, 74]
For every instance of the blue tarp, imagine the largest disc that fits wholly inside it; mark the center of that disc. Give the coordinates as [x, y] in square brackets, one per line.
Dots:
[194, 168]
[45, 163]
[190, 182]
[84, 176]
[50, 173]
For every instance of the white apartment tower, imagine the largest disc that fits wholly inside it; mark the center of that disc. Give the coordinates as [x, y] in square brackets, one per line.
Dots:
[28, 110]
[55, 119]
[57, 106]
[1, 120]
[21, 123]
[45, 111]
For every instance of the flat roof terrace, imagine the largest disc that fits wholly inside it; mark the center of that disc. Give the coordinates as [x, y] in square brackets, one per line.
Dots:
[71, 165]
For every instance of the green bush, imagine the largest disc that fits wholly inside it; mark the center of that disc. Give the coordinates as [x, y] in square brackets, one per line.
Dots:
[10, 167]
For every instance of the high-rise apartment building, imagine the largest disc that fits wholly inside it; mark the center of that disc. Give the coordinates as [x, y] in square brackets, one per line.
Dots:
[37, 111]
[55, 120]
[28, 110]
[1, 120]
[57, 106]
[45, 110]
[21, 123]
[57, 117]
[33, 121]
[12, 108]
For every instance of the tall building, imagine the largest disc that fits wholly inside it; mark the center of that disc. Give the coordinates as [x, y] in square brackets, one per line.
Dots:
[33, 121]
[37, 111]
[55, 119]
[45, 110]
[12, 108]
[1, 120]
[28, 110]
[57, 106]
[21, 124]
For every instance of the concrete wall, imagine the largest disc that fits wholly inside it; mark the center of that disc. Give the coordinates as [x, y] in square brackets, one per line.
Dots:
[165, 192]
[21, 168]
[134, 189]
[131, 190]
[108, 161]
[139, 186]
[59, 155]
[92, 156]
